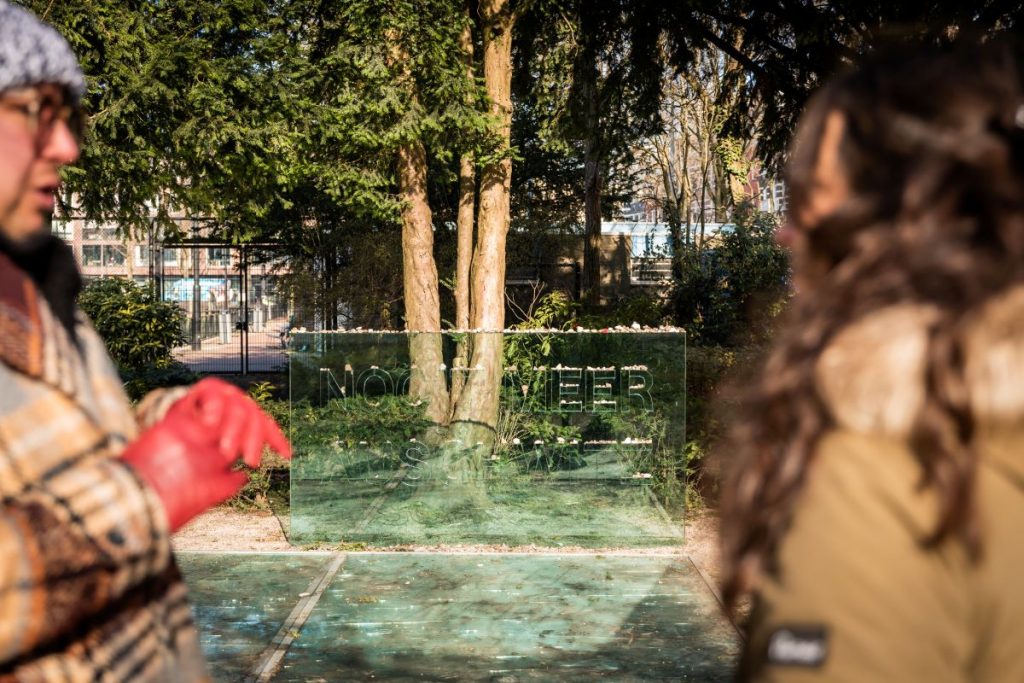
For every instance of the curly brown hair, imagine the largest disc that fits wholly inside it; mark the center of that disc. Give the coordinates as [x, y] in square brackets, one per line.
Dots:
[932, 151]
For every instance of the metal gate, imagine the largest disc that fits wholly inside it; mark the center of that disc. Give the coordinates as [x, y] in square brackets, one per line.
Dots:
[235, 315]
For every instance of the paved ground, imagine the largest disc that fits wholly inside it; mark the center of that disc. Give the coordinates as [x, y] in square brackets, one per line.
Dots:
[217, 356]
[506, 617]
[462, 613]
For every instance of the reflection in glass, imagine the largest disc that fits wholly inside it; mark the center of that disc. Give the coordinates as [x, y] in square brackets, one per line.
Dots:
[511, 438]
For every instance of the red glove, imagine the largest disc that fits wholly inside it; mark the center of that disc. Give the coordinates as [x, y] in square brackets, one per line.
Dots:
[187, 457]
[242, 426]
[179, 459]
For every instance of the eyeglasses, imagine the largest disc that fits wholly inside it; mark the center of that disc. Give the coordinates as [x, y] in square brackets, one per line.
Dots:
[43, 111]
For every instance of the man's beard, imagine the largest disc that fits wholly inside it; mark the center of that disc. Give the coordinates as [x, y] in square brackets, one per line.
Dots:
[49, 261]
[25, 245]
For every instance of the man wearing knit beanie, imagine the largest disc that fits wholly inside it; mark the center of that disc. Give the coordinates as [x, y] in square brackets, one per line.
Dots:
[91, 489]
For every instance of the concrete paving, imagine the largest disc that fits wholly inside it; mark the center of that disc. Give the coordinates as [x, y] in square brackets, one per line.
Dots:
[215, 355]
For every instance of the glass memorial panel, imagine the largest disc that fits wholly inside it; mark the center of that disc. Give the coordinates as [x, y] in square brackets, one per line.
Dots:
[552, 439]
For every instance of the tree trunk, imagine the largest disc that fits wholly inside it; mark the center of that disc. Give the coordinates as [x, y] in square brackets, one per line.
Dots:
[705, 153]
[476, 414]
[592, 223]
[467, 205]
[685, 193]
[464, 232]
[671, 206]
[723, 189]
[420, 282]
[675, 229]
[464, 254]
[591, 189]
[328, 303]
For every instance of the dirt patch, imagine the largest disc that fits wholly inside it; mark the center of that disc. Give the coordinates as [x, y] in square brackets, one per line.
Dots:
[702, 544]
[225, 529]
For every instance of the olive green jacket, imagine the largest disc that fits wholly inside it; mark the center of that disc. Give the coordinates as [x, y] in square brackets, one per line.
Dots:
[855, 596]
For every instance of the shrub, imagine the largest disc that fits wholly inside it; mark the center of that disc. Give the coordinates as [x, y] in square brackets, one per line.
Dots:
[138, 328]
[139, 331]
[139, 382]
[358, 419]
[644, 309]
[728, 295]
[267, 487]
[332, 431]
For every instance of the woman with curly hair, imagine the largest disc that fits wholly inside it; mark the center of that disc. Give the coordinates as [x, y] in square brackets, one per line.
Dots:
[875, 509]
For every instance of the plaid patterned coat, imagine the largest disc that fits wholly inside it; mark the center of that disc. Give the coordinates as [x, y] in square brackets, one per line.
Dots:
[88, 587]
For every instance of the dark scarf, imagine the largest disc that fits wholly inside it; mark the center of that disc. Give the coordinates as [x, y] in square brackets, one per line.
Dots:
[49, 261]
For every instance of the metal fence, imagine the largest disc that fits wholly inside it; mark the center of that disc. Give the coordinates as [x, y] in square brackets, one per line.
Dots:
[235, 317]
[235, 314]
[650, 270]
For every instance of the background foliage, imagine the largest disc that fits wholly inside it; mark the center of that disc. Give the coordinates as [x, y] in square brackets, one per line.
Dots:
[140, 331]
[729, 294]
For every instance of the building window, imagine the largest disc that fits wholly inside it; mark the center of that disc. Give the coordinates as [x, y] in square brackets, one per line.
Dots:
[92, 232]
[92, 255]
[64, 229]
[114, 255]
[141, 254]
[218, 256]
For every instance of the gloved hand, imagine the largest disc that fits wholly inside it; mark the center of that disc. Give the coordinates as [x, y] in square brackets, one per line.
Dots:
[243, 428]
[187, 457]
[179, 459]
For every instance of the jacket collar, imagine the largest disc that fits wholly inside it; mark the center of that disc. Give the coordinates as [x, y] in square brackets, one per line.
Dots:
[21, 327]
[32, 340]
[34, 343]
[872, 376]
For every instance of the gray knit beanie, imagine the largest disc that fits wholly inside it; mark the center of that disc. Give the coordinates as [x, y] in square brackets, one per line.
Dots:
[32, 53]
